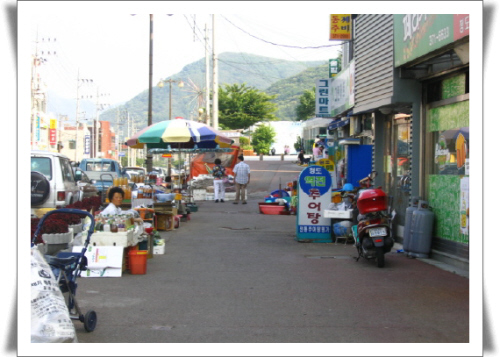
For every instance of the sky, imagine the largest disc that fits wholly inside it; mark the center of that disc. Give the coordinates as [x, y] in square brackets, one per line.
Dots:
[112, 47]
[109, 45]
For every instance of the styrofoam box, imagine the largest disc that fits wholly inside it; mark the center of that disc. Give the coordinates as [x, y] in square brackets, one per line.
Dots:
[122, 239]
[159, 249]
[338, 214]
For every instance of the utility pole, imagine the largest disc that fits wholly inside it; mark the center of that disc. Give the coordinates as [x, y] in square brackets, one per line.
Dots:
[77, 112]
[149, 157]
[128, 135]
[207, 79]
[215, 97]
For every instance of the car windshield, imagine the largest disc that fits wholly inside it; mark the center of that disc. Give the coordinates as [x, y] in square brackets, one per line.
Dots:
[42, 165]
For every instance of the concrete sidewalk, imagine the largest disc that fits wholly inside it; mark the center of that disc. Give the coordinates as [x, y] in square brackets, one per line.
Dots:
[231, 274]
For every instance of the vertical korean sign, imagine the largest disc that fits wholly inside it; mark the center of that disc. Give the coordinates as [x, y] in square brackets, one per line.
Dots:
[340, 27]
[52, 131]
[323, 94]
[314, 196]
[87, 145]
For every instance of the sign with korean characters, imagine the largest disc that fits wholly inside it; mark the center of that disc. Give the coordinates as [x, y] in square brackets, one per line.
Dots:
[52, 136]
[86, 145]
[323, 96]
[334, 66]
[340, 27]
[416, 35]
[329, 165]
[342, 91]
[314, 196]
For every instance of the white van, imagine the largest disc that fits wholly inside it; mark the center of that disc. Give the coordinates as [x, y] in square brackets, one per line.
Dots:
[52, 181]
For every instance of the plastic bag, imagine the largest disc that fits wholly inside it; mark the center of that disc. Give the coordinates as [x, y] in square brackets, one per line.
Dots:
[50, 320]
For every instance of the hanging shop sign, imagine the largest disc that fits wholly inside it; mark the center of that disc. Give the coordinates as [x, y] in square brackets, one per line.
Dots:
[343, 91]
[314, 196]
[52, 136]
[334, 67]
[87, 145]
[338, 123]
[340, 27]
[416, 35]
[323, 95]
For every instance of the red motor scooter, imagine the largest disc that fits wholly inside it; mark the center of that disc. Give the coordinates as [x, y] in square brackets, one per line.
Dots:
[373, 235]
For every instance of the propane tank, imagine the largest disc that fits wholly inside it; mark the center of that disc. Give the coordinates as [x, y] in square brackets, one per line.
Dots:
[421, 231]
[408, 219]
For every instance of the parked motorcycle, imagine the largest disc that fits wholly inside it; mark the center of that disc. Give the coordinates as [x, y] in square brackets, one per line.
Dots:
[374, 235]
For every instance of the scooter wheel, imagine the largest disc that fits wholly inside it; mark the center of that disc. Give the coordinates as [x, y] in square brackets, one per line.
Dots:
[380, 257]
[90, 321]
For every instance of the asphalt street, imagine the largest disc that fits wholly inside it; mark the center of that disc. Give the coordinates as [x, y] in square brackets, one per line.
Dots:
[233, 275]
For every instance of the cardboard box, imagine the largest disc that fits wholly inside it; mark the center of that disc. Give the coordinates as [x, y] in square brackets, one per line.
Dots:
[338, 214]
[165, 222]
[123, 239]
[102, 261]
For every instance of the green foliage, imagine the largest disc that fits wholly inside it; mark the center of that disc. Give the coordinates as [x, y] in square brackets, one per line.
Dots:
[244, 140]
[298, 144]
[241, 106]
[307, 105]
[262, 139]
[289, 90]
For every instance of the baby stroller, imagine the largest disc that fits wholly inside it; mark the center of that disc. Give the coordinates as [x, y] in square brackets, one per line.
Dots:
[66, 267]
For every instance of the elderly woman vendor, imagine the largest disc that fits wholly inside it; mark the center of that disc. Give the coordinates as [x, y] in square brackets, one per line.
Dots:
[115, 196]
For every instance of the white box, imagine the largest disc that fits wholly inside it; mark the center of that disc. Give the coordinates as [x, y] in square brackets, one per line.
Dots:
[338, 214]
[102, 261]
[159, 249]
[123, 239]
[209, 197]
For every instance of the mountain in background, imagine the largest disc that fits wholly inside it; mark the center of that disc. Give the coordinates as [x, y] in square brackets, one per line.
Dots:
[287, 79]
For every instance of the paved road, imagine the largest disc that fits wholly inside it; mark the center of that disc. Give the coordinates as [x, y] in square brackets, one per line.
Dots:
[234, 275]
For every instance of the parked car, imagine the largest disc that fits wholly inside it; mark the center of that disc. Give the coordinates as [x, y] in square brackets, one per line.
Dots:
[161, 172]
[134, 171]
[52, 181]
[87, 189]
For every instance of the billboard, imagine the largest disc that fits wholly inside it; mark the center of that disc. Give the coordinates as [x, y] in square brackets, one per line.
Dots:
[340, 27]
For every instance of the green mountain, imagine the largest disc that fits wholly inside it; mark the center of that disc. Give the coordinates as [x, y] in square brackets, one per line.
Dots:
[288, 79]
[290, 89]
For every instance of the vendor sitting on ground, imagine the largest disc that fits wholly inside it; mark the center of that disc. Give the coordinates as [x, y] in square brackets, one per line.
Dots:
[302, 159]
[115, 196]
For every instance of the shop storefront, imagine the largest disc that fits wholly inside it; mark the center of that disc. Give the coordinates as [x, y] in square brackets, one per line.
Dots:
[435, 50]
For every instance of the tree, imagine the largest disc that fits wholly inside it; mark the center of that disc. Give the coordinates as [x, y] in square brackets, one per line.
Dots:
[262, 139]
[241, 107]
[307, 107]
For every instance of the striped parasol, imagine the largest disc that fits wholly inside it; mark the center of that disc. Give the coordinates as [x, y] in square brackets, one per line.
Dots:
[181, 133]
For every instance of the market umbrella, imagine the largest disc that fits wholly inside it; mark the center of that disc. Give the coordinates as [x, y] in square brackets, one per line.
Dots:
[179, 134]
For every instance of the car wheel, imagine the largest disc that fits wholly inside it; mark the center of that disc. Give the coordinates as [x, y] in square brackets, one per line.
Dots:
[40, 188]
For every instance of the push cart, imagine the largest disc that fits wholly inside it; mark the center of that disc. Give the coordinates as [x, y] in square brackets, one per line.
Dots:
[66, 267]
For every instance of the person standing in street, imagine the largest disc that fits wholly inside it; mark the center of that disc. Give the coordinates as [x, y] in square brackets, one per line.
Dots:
[219, 172]
[241, 179]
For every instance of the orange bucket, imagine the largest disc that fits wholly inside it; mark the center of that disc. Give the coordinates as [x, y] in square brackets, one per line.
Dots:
[138, 260]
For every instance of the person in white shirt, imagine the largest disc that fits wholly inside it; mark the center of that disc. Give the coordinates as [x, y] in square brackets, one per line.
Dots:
[115, 196]
[241, 179]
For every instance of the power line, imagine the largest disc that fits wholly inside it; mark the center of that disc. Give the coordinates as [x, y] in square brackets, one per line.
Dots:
[276, 44]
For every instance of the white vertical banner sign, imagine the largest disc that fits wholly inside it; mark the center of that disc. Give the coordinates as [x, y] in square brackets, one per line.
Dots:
[314, 196]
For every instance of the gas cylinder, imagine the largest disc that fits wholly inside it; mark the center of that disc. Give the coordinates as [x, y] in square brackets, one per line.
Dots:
[421, 231]
[408, 218]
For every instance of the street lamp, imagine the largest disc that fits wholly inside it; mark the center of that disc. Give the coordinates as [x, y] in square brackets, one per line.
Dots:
[180, 84]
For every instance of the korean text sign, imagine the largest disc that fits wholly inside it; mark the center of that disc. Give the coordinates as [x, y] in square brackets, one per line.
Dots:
[323, 97]
[314, 196]
[340, 27]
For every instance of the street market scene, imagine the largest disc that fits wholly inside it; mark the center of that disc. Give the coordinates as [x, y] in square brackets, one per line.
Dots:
[329, 205]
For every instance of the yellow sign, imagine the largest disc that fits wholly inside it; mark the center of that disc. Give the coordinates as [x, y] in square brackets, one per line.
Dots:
[340, 27]
[327, 164]
[53, 124]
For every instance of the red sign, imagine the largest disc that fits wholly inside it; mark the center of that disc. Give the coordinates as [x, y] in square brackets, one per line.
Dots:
[52, 136]
[460, 26]
[166, 155]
